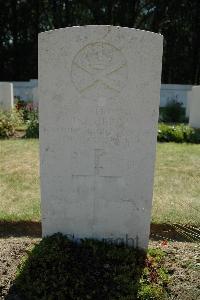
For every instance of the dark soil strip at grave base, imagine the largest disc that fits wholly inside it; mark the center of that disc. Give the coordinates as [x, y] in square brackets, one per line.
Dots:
[175, 232]
[20, 228]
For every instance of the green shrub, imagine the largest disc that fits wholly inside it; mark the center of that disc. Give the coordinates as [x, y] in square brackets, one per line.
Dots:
[178, 133]
[9, 121]
[25, 108]
[58, 268]
[173, 112]
[32, 130]
[20, 104]
[29, 111]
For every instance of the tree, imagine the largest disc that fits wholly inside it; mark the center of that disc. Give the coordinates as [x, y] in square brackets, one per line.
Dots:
[18, 39]
[178, 21]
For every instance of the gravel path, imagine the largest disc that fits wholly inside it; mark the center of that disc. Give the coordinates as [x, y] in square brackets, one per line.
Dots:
[182, 261]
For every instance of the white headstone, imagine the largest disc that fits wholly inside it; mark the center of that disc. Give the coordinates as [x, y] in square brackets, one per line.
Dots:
[99, 92]
[194, 119]
[35, 96]
[6, 96]
[187, 112]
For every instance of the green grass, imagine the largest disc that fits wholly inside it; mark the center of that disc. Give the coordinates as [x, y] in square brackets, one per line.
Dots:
[19, 180]
[176, 186]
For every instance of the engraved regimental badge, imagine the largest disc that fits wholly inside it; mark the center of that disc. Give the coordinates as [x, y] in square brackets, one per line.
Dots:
[99, 69]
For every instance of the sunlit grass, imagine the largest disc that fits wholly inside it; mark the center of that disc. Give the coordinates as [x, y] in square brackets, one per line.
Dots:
[176, 186]
[19, 180]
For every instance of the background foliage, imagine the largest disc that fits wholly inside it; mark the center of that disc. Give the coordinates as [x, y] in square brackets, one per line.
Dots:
[9, 122]
[178, 133]
[178, 21]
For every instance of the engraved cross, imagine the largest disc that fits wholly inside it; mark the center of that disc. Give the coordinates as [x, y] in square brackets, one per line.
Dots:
[98, 153]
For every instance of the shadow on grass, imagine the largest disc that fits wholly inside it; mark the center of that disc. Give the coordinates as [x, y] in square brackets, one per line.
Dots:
[174, 232]
[59, 268]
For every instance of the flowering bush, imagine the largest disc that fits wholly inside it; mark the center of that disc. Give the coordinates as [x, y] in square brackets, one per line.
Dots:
[174, 112]
[29, 111]
[32, 130]
[9, 121]
[26, 109]
[178, 133]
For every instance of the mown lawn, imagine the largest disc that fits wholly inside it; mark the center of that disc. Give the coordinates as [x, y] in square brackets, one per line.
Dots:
[19, 180]
[177, 184]
[176, 188]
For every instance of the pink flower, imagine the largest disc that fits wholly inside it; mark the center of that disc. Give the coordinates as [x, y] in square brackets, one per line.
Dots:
[164, 243]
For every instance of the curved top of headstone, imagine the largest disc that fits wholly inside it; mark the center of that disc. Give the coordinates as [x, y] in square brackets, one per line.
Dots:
[98, 56]
[99, 27]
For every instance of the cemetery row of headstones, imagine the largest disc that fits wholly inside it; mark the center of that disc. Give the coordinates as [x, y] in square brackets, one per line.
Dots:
[6, 96]
[194, 115]
[192, 109]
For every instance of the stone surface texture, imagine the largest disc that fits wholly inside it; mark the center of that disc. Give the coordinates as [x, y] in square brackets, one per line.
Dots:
[6, 96]
[194, 119]
[99, 92]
